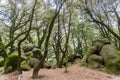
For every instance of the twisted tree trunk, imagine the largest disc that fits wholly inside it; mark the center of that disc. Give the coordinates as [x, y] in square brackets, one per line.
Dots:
[37, 68]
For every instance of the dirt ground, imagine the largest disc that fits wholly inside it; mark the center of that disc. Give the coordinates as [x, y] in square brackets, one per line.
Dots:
[75, 73]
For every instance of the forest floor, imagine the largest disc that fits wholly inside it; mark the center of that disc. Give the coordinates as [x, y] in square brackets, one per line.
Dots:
[75, 72]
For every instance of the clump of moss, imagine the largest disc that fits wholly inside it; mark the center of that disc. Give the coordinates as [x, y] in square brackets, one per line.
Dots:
[11, 62]
[8, 69]
[25, 66]
[33, 62]
[113, 66]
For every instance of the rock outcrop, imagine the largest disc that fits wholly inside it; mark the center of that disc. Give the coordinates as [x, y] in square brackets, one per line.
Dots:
[101, 54]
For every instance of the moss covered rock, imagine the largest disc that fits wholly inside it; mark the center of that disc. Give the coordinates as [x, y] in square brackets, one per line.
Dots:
[101, 40]
[90, 51]
[102, 54]
[113, 66]
[95, 61]
[25, 66]
[33, 62]
[11, 61]
[8, 69]
[108, 53]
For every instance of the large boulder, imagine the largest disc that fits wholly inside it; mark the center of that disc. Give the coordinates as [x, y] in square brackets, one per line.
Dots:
[95, 61]
[99, 43]
[108, 53]
[102, 54]
[33, 62]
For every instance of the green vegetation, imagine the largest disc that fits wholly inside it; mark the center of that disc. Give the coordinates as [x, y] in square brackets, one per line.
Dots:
[25, 66]
[1, 62]
[11, 62]
[57, 33]
[112, 66]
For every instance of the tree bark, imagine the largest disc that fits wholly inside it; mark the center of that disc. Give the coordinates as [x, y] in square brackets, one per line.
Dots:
[27, 34]
[37, 68]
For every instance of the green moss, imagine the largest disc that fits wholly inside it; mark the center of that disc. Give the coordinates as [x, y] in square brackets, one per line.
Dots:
[113, 66]
[33, 62]
[8, 69]
[108, 53]
[95, 61]
[25, 66]
[12, 61]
